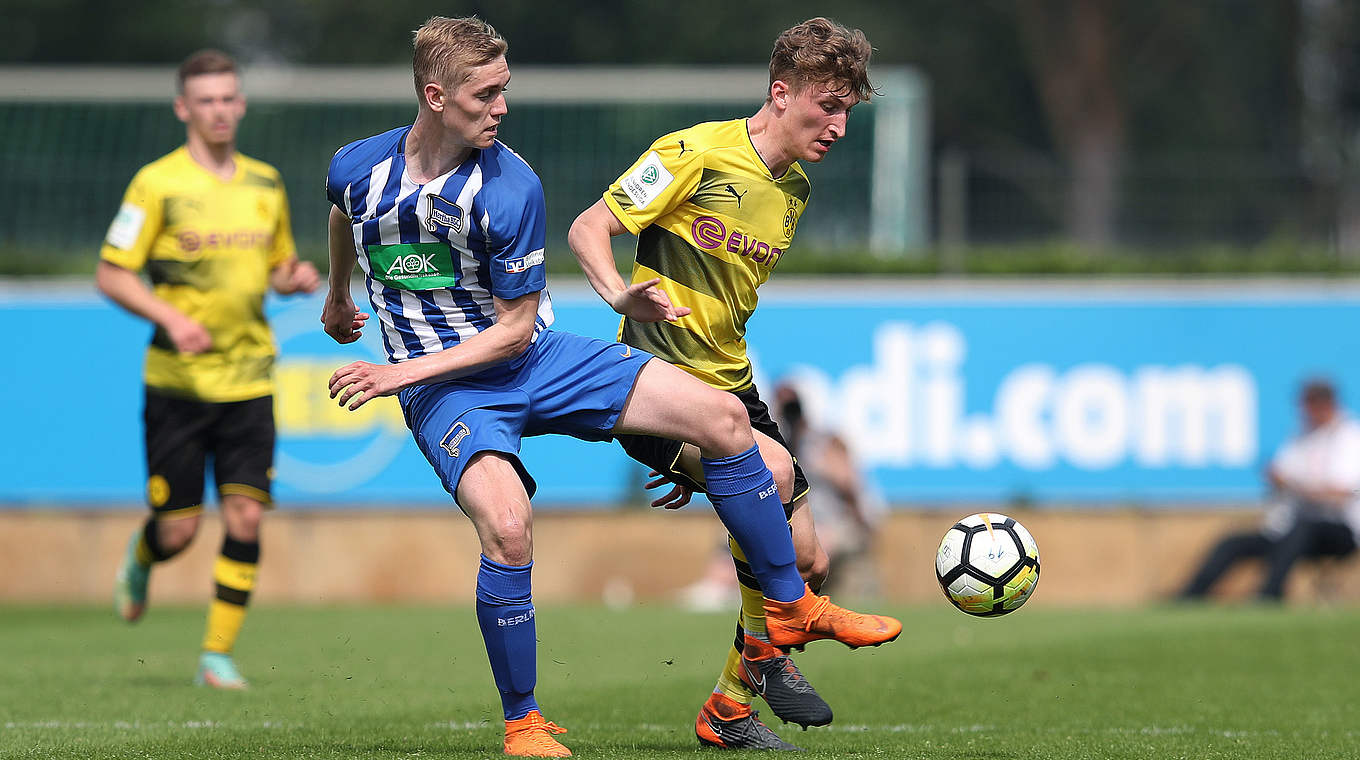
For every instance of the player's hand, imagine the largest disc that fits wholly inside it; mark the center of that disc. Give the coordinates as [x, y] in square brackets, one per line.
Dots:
[304, 278]
[645, 302]
[676, 498]
[189, 336]
[342, 320]
[357, 383]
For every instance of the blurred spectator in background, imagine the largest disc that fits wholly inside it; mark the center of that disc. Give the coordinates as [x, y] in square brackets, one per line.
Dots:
[1315, 478]
[846, 512]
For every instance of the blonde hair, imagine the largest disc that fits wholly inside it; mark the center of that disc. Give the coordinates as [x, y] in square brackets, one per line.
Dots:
[821, 51]
[446, 47]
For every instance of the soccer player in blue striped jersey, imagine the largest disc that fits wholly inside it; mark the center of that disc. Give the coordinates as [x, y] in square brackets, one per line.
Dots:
[448, 226]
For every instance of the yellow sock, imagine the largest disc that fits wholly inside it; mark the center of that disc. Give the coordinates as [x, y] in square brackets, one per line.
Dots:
[224, 624]
[234, 573]
[752, 620]
[730, 683]
[143, 552]
[752, 600]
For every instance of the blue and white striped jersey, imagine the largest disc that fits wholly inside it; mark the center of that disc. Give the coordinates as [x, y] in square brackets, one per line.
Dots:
[435, 254]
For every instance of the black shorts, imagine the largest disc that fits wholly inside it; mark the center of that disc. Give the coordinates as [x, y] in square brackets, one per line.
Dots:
[663, 454]
[182, 433]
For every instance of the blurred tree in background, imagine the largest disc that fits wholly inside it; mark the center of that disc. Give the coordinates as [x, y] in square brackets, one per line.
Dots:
[1100, 121]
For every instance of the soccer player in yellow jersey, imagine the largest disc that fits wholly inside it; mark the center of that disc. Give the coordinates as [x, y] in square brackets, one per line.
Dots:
[211, 229]
[715, 208]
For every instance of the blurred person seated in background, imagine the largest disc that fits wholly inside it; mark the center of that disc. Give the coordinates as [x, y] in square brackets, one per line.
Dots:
[1315, 477]
[846, 511]
[211, 229]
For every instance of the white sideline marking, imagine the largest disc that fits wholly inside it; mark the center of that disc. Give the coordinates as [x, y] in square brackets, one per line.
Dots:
[137, 725]
[468, 725]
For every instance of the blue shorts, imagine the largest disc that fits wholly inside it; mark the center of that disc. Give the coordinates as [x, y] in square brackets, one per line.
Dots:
[564, 383]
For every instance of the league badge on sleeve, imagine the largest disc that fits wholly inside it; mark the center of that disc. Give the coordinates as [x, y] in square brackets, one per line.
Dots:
[445, 216]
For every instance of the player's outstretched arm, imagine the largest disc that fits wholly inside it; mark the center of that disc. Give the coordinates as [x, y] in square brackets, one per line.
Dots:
[588, 239]
[357, 382]
[126, 288]
[341, 319]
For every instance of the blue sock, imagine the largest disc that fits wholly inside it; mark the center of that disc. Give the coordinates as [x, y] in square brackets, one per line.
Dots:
[745, 497]
[505, 612]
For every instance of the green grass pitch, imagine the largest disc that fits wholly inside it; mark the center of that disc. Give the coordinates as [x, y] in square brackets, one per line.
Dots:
[402, 682]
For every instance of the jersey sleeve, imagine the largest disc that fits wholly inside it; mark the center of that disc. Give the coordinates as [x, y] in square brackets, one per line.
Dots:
[337, 187]
[136, 225]
[285, 247]
[515, 241]
[663, 178]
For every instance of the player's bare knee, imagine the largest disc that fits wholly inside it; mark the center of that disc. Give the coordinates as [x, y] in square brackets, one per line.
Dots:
[175, 535]
[726, 427]
[511, 541]
[242, 516]
[781, 467]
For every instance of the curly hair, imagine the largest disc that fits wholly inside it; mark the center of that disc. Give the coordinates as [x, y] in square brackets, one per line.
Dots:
[821, 51]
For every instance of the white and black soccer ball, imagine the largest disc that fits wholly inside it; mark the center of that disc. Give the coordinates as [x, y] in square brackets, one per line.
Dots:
[987, 565]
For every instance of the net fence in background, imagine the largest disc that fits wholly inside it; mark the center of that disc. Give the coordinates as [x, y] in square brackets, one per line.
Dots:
[68, 150]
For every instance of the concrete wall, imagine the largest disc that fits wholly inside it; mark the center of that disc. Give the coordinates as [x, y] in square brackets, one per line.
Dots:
[1106, 557]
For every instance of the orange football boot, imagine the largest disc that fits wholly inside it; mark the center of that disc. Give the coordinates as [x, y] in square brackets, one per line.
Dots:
[726, 723]
[531, 736]
[794, 624]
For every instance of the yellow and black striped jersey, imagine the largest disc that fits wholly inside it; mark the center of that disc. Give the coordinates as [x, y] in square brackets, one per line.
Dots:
[208, 246]
[712, 223]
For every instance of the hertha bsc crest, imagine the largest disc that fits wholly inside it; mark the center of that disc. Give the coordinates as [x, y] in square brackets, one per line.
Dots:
[454, 437]
[444, 214]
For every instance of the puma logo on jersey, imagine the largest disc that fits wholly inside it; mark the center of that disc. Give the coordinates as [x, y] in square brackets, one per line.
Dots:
[683, 149]
[736, 194]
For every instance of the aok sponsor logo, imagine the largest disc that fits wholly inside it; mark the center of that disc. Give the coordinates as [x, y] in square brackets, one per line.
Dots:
[194, 240]
[411, 265]
[710, 233]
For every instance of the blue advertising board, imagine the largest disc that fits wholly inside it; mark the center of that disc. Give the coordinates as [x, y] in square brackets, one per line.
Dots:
[1151, 393]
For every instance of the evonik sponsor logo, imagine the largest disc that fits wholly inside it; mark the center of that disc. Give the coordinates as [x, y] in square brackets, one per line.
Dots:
[195, 240]
[711, 234]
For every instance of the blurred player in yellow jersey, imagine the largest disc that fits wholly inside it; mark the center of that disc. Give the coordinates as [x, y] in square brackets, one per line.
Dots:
[715, 208]
[211, 229]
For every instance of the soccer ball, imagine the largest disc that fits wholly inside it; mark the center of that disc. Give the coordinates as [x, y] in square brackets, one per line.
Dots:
[987, 565]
